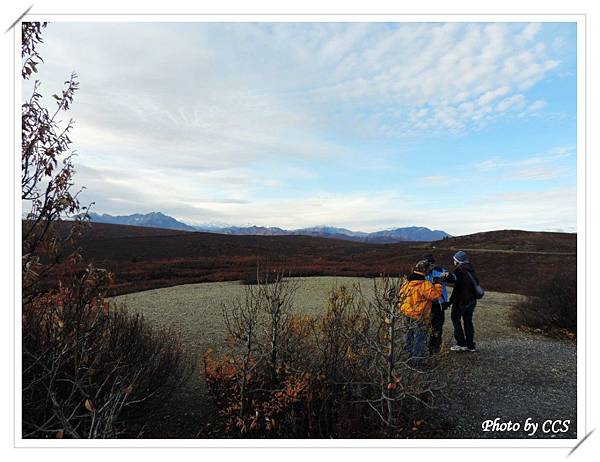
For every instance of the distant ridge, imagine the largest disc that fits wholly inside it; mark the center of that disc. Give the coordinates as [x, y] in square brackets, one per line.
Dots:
[149, 220]
[160, 220]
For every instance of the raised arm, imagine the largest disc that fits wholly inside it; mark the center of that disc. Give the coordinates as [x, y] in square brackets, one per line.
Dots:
[451, 278]
[432, 291]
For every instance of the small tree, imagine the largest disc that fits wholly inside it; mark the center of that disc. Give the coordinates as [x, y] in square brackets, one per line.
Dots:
[277, 295]
[260, 327]
[390, 376]
[241, 321]
[87, 368]
[46, 173]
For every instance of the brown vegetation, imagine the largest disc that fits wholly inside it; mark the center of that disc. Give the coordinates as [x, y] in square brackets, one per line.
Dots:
[552, 308]
[92, 372]
[87, 371]
[146, 258]
[340, 374]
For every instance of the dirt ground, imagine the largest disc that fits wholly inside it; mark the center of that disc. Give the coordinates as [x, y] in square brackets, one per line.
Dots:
[513, 376]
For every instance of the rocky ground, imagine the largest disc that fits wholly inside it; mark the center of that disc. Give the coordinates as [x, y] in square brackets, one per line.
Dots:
[513, 376]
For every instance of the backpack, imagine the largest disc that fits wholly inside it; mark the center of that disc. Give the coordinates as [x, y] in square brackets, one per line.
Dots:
[479, 292]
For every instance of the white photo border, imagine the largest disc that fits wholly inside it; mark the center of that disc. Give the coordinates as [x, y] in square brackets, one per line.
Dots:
[582, 428]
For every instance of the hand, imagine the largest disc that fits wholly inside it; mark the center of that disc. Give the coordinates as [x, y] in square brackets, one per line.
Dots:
[443, 275]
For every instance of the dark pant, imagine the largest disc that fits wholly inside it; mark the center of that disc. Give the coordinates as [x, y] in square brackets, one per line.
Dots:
[464, 337]
[437, 325]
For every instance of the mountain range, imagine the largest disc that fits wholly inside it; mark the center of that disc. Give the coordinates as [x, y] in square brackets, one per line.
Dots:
[160, 220]
[148, 220]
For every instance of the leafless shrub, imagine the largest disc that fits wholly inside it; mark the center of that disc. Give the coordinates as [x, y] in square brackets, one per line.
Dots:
[241, 321]
[342, 374]
[90, 371]
[392, 377]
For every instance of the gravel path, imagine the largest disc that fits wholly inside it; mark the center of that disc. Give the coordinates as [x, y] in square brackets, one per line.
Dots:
[513, 376]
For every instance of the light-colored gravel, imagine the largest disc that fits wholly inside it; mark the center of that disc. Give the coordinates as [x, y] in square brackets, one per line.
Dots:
[513, 376]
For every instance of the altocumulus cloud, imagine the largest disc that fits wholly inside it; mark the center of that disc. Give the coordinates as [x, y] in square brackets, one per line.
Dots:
[191, 118]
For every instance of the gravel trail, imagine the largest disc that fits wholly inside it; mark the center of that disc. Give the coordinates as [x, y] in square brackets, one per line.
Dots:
[513, 376]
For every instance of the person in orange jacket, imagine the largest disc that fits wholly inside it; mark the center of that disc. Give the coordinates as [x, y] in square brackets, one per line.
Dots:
[416, 294]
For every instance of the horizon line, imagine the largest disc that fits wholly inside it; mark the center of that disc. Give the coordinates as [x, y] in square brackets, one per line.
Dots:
[250, 225]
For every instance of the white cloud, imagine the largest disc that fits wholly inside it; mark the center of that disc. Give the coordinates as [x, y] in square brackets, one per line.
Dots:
[491, 95]
[368, 211]
[534, 108]
[515, 101]
[546, 166]
[200, 82]
[539, 173]
[529, 32]
[192, 119]
[445, 69]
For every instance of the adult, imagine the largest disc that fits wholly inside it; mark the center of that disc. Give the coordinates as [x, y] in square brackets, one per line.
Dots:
[416, 294]
[463, 301]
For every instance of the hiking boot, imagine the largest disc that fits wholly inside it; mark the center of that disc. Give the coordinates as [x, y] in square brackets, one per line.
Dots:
[458, 348]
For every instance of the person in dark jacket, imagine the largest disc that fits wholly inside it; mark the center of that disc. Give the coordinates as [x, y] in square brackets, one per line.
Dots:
[463, 301]
[437, 306]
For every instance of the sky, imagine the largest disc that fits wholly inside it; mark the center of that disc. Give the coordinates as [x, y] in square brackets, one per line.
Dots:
[463, 127]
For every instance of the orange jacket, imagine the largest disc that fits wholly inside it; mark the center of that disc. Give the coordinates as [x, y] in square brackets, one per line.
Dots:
[417, 293]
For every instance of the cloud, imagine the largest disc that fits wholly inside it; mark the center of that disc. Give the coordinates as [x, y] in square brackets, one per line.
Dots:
[538, 167]
[448, 74]
[358, 210]
[516, 101]
[227, 121]
[534, 108]
[529, 32]
[488, 165]
[537, 105]
[491, 95]
[370, 211]
[539, 173]
[435, 178]
[216, 86]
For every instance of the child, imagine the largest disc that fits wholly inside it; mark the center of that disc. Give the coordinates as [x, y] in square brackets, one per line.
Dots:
[438, 306]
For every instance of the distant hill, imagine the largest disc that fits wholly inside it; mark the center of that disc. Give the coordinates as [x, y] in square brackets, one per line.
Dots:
[512, 240]
[160, 220]
[412, 233]
[325, 231]
[245, 230]
[389, 236]
[145, 258]
[149, 220]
